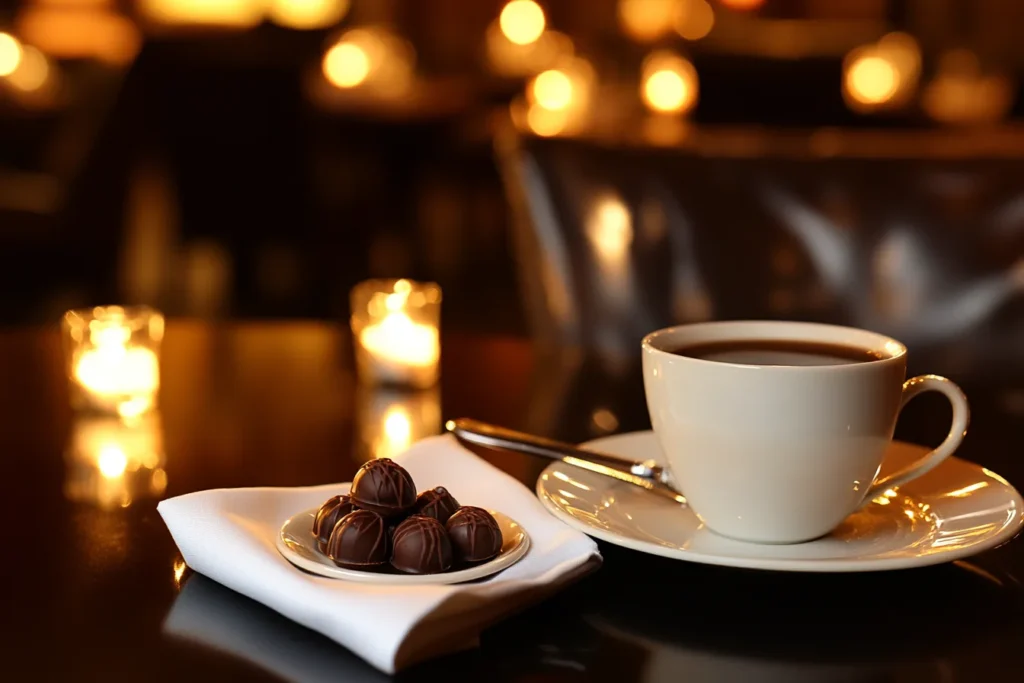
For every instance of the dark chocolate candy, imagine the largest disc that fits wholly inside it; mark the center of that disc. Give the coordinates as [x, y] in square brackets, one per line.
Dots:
[475, 534]
[359, 541]
[328, 516]
[384, 487]
[436, 503]
[421, 546]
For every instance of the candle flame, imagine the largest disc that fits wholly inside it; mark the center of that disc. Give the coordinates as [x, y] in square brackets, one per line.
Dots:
[112, 461]
[113, 368]
[397, 338]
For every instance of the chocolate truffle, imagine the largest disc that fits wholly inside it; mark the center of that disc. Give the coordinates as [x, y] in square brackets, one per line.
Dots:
[421, 546]
[359, 541]
[475, 534]
[436, 503]
[384, 487]
[328, 516]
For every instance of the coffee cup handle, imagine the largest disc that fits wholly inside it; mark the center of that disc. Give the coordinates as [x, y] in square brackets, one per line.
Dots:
[957, 431]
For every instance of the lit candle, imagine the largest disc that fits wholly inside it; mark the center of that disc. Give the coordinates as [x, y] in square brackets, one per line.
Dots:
[398, 341]
[396, 330]
[113, 356]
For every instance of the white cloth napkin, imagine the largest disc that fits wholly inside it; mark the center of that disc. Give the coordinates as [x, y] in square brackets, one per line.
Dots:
[229, 535]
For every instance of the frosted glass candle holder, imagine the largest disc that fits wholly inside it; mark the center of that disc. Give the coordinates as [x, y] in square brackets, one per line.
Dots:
[396, 332]
[112, 356]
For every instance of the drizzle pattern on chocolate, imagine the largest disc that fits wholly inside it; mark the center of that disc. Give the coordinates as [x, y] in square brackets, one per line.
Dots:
[475, 534]
[436, 503]
[328, 516]
[359, 540]
[421, 546]
[383, 486]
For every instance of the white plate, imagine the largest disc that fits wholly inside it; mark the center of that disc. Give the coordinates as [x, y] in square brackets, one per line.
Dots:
[298, 546]
[957, 509]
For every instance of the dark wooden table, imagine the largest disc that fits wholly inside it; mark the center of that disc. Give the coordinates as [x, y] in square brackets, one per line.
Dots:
[94, 588]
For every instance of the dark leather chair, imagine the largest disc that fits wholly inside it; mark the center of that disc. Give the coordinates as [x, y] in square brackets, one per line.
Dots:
[613, 241]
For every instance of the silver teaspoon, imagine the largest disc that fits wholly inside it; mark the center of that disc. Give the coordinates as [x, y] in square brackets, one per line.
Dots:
[646, 474]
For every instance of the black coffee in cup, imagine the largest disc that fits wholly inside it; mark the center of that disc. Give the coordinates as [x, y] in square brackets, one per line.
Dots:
[779, 352]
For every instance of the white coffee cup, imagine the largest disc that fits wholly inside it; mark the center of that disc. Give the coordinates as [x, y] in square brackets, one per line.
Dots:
[783, 453]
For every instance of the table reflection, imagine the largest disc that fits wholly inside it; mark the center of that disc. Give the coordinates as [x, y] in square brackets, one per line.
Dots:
[111, 462]
[713, 624]
[668, 661]
[208, 614]
[389, 420]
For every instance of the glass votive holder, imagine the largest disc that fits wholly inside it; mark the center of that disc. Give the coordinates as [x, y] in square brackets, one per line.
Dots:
[112, 356]
[396, 332]
[113, 462]
[389, 420]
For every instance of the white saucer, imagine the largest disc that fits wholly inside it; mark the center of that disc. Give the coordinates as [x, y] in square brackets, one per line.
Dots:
[298, 546]
[957, 509]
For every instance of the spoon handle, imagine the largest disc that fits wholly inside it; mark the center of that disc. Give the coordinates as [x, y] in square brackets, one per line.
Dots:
[491, 436]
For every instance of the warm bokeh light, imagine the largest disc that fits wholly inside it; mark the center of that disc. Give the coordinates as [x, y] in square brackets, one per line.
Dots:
[509, 59]
[76, 3]
[113, 359]
[372, 58]
[558, 99]
[396, 327]
[80, 32]
[610, 228]
[882, 75]
[522, 21]
[112, 461]
[398, 428]
[33, 71]
[669, 83]
[114, 368]
[903, 52]
[552, 90]
[665, 91]
[648, 20]
[10, 54]
[545, 122]
[665, 130]
[871, 79]
[307, 14]
[695, 19]
[389, 421]
[27, 70]
[962, 94]
[563, 88]
[604, 420]
[227, 13]
[742, 5]
[346, 65]
[398, 339]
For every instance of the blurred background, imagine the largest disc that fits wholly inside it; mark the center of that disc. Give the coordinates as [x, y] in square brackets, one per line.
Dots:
[578, 171]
